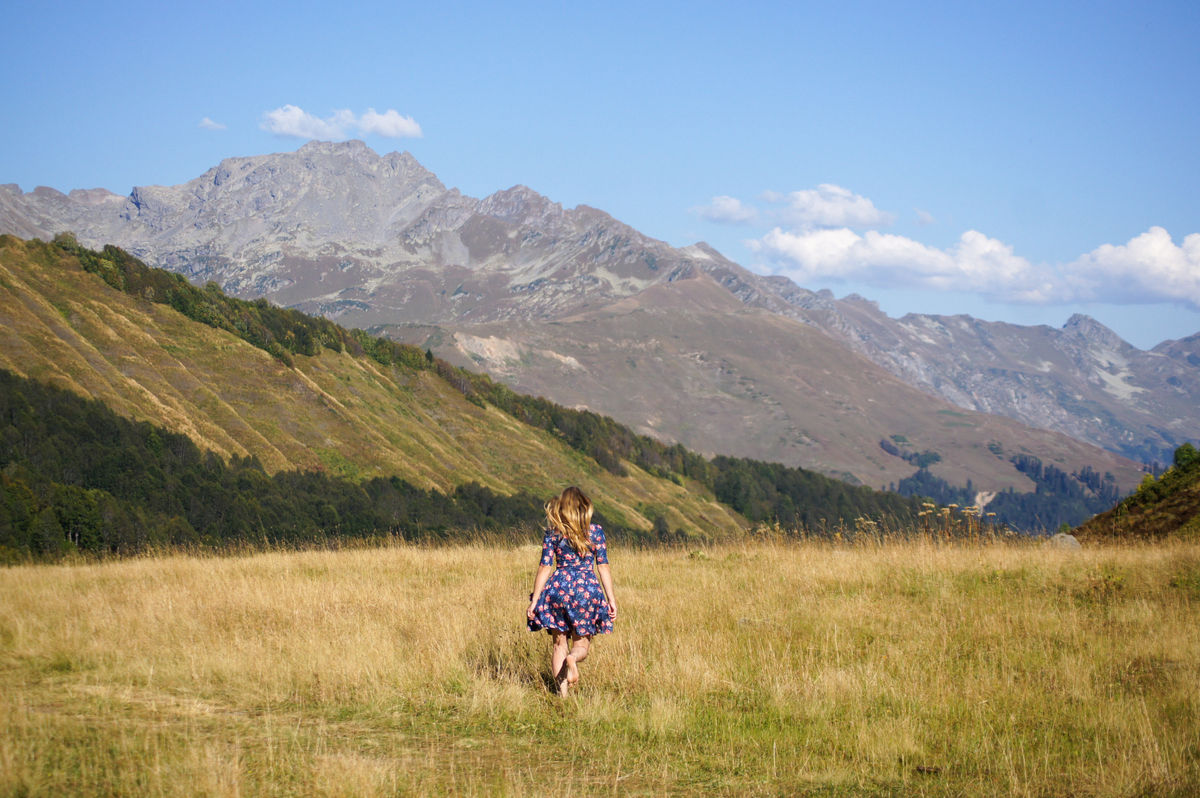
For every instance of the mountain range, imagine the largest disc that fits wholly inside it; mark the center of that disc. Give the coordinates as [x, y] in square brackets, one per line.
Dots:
[681, 343]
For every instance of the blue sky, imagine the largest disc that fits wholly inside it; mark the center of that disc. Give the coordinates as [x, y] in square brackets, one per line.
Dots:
[1015, 161]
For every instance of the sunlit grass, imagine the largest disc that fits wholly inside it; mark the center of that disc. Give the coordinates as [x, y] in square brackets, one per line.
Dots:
[759, 669]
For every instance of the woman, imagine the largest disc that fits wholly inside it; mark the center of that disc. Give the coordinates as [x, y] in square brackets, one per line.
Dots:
[567, 600]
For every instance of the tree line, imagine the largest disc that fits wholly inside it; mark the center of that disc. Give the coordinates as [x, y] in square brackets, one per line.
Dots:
[1059, 498]
[74, 475]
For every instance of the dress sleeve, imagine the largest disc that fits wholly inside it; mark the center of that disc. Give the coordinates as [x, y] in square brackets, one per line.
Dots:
[599, 545]
[547, 549]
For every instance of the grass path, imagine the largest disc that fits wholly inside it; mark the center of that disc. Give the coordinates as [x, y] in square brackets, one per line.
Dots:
[766, 669]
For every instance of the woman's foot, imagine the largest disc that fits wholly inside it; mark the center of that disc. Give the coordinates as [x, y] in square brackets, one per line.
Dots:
[563, 677]
[572, 670]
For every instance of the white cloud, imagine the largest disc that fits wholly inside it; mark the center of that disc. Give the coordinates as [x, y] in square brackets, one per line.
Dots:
[389, 124]
[290, 120]
[816, 239]
[208, 124]
[826, 206]
[976, 263]
[1150, 268]
[727, 210]
[829, 206]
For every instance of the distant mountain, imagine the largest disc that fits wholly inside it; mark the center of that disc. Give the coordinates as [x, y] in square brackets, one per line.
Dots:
[340, 230]
[687, 361]
[1082, 380]
[377, 240]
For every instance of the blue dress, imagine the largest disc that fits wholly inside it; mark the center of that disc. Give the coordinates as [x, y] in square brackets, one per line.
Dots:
[573, 600]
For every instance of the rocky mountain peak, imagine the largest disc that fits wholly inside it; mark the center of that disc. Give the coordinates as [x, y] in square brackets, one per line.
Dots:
[94, 196]
[1086, 328]
[859, 299]
[519, 204]
[350, 147]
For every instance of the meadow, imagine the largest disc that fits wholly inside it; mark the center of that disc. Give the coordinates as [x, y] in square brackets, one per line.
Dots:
[769, 668]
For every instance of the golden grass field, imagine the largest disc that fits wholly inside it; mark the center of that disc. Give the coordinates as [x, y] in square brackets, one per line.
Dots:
[763, 669]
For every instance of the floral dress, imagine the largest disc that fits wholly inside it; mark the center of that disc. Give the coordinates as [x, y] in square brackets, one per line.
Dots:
[573, 600]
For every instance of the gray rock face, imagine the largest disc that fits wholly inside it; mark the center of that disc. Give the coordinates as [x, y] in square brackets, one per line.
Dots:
[339, 230]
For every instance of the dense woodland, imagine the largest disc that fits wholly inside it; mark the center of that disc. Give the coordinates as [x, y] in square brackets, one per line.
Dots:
[76, 475]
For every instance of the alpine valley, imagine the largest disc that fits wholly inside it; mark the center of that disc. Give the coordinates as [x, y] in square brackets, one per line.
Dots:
[680, 344]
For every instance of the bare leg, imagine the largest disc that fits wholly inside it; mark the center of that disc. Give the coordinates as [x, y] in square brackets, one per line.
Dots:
[558, 656]
[577, 654]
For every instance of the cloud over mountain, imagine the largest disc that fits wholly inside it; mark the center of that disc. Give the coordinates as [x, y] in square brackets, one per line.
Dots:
[727, 210]
[389, 124]
[976, 263]
[819, 235]
[828, 206]
[290, 120]
[1149, 268]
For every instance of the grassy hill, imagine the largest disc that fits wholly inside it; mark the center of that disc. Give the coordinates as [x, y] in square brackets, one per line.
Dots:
[1163, 507]
[341, 413]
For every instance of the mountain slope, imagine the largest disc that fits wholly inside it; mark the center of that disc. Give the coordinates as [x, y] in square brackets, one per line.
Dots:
[1168, 505]
[1082, 380]
[339, 230]
[685, 361]
[332, 412]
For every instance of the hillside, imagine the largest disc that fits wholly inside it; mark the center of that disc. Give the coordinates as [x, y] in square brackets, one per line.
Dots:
[1162, 507]
[369, 239]
[337, 413]
[370, 409]
[378, 437]
[685, 361]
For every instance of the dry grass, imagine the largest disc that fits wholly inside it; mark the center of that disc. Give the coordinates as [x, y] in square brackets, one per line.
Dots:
[765, 669]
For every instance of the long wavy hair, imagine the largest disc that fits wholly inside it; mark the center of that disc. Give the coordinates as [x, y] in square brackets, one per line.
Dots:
[570, 514]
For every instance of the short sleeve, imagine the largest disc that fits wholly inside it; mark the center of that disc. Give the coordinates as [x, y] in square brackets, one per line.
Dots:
[547, 549]
[599, 545]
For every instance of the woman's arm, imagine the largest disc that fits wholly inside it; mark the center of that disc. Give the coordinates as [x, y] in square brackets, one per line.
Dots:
[605, 574]
[539, 583]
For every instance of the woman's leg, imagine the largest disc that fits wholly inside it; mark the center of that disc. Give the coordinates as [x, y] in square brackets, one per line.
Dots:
[558, 656]
[577, 654]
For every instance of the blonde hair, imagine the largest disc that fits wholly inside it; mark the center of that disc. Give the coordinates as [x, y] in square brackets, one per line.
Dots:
[570, 514]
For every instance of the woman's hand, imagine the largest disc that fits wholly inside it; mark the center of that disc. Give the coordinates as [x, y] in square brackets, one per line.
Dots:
[539, 583]
[612, 608]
